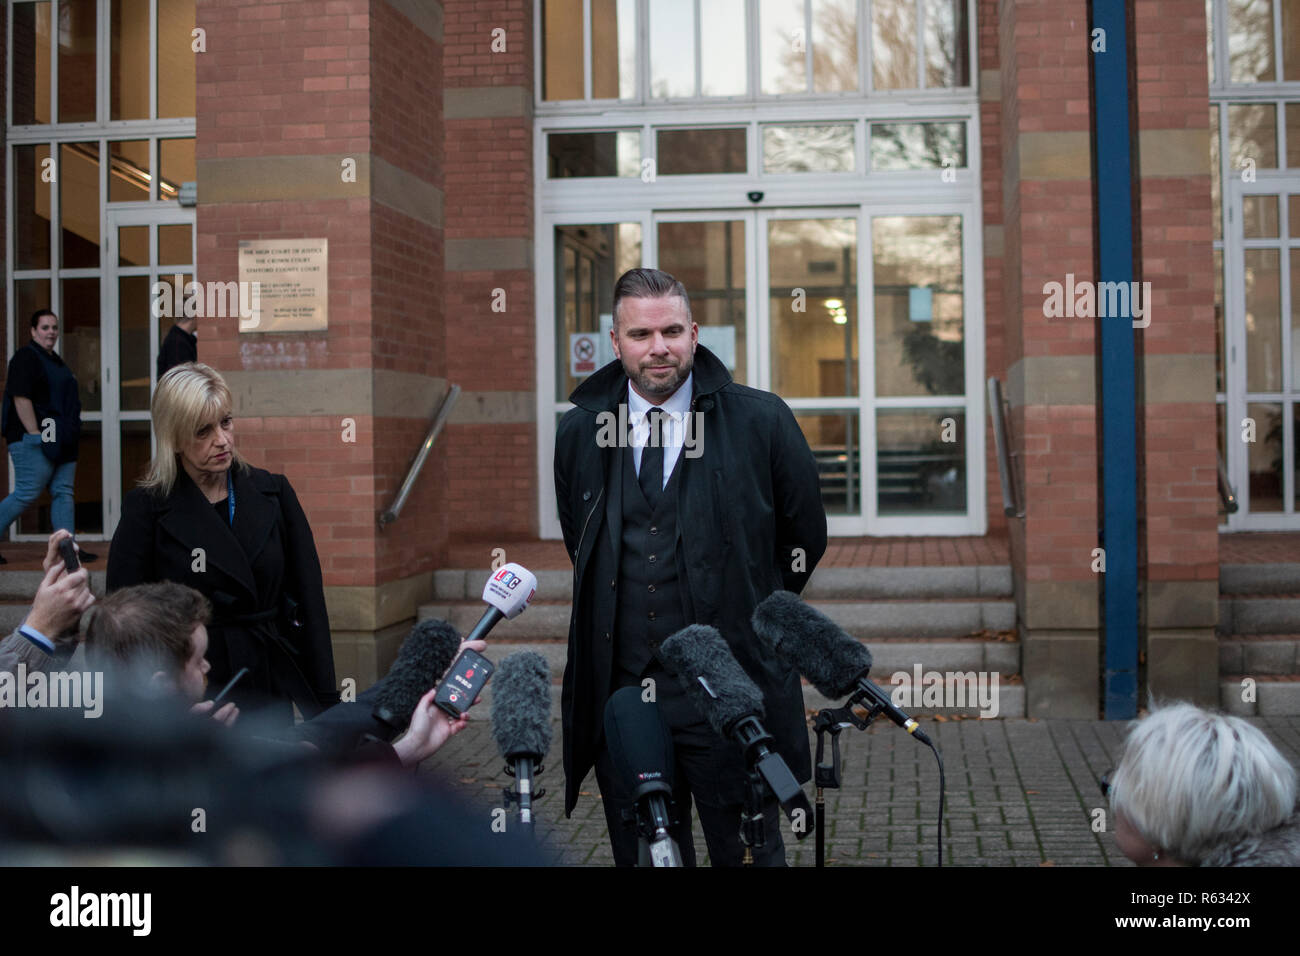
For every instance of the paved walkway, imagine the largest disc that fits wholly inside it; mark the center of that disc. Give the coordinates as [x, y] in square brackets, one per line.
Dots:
[1020, 793]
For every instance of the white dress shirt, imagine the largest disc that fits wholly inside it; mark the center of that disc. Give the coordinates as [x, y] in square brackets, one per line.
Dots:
[678, 407]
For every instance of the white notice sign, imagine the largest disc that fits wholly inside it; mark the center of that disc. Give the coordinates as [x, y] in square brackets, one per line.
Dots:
[293, 280]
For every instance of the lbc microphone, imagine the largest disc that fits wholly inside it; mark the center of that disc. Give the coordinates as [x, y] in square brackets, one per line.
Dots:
[641, 747]
[808, 641]
[507, 592]
[521, 723]
[732, 705]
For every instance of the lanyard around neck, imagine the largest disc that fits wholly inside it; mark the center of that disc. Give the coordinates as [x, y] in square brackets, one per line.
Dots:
[230, 496]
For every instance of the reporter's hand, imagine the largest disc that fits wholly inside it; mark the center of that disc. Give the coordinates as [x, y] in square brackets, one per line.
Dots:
[52, 556]
[227, 715]
[430, 728]
[60, 600]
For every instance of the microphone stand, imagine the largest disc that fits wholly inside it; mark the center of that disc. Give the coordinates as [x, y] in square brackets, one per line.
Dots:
[832, 720]
[752, 828]
[521, 793]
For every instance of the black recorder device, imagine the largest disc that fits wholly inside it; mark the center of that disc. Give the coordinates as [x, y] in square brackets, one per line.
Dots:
[463, 682]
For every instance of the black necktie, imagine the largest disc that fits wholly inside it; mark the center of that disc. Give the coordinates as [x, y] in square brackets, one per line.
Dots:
[651, 477]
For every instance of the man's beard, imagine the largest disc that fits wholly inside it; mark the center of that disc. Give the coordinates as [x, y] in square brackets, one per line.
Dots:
[649, 387]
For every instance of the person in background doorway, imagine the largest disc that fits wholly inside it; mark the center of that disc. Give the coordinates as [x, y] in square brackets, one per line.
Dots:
[180, 346]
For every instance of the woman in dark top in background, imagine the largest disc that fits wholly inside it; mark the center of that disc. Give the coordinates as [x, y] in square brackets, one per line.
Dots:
[236, 533]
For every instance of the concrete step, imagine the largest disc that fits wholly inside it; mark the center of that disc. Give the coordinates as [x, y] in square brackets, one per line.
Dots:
[1259, 578]
[1262, 654]
[861, 619]
[1276, 696]
[22, 585]
[1259, 614]
[982, 581]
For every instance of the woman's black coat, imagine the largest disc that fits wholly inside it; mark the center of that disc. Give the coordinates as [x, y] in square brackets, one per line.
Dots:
[260, 577]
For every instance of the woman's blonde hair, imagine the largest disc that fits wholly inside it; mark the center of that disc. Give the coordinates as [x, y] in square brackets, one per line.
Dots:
[188, 397]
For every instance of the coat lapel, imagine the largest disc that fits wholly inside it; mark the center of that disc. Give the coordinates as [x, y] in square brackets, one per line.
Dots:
[191, 518]
[255, 516]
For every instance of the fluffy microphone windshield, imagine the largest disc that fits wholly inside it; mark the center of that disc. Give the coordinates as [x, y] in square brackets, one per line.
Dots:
[806, 640]
[698, 653]
[521, 706]
[425, 655]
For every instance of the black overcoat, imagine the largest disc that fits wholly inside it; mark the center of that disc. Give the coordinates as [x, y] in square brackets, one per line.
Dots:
[745, 503]
[261, 577]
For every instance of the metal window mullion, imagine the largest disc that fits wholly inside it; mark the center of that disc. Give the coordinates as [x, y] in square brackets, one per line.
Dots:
[753, 44]
[920, 44]
[103, 61]
[1277, 42]
[809, 86]
[698, 46]
[864, 46]
[586, 49]
[153, 62]
[54, 63]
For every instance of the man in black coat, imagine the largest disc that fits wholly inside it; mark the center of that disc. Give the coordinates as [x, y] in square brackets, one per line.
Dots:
[180, 345]
[697, 526]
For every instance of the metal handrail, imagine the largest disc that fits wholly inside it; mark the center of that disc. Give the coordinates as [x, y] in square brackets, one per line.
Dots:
[1006, 473]
[1227, 494]
[439, 419]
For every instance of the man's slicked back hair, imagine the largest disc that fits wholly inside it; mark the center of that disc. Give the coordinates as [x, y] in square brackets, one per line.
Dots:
[648, 284]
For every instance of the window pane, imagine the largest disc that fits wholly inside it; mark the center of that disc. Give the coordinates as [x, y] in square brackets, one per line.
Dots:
[1263, 321]
[724, 63]
[129, 93]
[1293, 133]
[562, 72]
[1295, 321]
[604, 251]
[76, 61]
[1218, 320]
[920, 335]
[1291, 50]
[79, 325]
[947, 43]
[835, 45]
[1264, 455]
[128, 172]
[1216, 174]
[134, 361]
[1250, 41]
[672, 48]
[833, 438]
[918, 145]
[782, 46]
[921, 461]
[31, 66]
[684, 151]
[613, 49]
[808, 149]
[29, 295]
[593, 154]
[175, 166]
[175, 246]
[32, 206]
[709, 259]
[79, 204]
[136, 453]
[176, 86]
[133, 246]
[1259, 217]
[893, 44]
[1293, 217]
[87, 491]
[813, 295]
[1252, 134]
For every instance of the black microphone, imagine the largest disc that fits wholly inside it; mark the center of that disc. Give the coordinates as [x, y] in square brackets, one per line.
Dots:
[732, 705]
[641, 746]
[808, 641]
[521, 723]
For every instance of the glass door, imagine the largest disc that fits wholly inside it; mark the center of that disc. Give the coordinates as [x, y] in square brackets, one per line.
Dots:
[1262, 334]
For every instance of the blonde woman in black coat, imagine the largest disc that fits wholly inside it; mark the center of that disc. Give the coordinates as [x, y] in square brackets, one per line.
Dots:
[206, 518]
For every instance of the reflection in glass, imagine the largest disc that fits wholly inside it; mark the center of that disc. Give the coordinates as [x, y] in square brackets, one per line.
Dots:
[136, 453]
[133, 354]
[1259, 217]
[833, 438]
[590, 259]
[709, 259]
[175, 245]
[30, 74]
[1252, 134]
[32, 206]
[808, 149]
[1216, 174]
[562, 54]
[947, 43]
[918, 301]
[175, 166]
[613, 153]
[835, 45]
[782, 43]
[920, 461]
[1264, 456]
[813, 301]
[613, 49]
[893, 45]
[918, 145]
[672, 50]
[133, 246]
[79, 205]
[176, 82]
[1263, 320]
[79, 328]
[690, 151]
[724, 62]
[1250, 41]
[128, 171]
[128, 96]
[77, 63]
